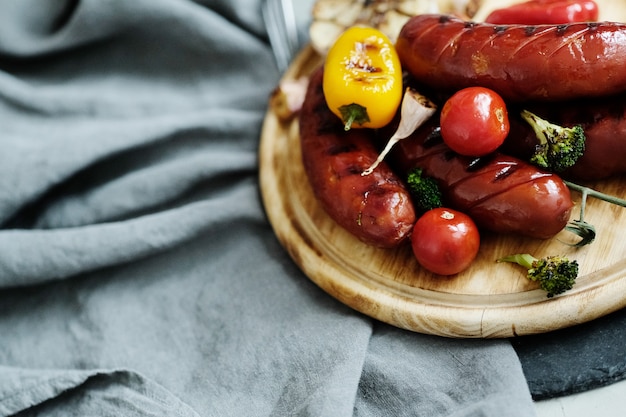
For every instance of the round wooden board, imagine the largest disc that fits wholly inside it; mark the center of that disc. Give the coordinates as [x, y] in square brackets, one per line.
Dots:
[488, 300]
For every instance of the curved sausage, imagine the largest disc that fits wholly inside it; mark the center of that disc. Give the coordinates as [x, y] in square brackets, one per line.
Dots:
[544, 62]
[604, 123]
[376, 208]
[501, 193]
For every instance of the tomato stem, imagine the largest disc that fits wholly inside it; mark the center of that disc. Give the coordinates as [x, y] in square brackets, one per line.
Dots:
[586, 191]
[580, 227]
[353, 113]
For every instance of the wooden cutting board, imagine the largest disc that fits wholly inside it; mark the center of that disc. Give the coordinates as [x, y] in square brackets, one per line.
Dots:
[488, 300]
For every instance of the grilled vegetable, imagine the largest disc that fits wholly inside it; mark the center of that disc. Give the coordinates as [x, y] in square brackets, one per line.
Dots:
[363, 78]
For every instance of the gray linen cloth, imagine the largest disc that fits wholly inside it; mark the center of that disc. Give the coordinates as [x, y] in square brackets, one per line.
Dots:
[138, 273]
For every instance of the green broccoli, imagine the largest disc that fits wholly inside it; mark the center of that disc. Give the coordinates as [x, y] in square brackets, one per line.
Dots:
[559, 147]
[555, 274]
[425, 190]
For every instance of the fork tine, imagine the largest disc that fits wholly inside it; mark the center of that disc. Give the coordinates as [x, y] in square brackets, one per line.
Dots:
[279, 17]
[273, 32]
[291, 27]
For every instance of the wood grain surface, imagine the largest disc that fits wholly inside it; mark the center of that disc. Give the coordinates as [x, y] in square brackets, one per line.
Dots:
[488, 300]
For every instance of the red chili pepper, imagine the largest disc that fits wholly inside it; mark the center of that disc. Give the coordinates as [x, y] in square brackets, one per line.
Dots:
[537, 12]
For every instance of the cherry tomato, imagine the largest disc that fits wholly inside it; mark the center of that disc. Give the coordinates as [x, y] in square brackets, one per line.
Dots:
[445, 241]
[474, 121]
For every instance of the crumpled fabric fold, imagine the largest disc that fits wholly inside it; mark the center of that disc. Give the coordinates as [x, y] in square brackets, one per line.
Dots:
[81, 393]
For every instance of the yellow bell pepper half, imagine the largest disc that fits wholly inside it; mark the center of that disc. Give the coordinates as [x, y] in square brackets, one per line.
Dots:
[363, 78]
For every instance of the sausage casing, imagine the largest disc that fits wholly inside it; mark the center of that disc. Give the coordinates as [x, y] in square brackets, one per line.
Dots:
[376, 208]
[604, 123]
[501, 193]
[543, 62]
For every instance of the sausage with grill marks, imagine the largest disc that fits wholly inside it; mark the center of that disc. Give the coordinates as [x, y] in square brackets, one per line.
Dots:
[500, 193]
[604, 123]
[521, 63]
[376, 208]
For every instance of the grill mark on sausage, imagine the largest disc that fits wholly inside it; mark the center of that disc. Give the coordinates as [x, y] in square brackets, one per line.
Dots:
[505, 172]
[561, 29]
[354, 169]
[341, 148]
[530, 30]
[434, 138]
[479, 163]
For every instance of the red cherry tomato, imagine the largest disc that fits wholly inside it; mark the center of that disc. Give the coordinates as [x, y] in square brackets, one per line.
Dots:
[474, 121]
[445, 241]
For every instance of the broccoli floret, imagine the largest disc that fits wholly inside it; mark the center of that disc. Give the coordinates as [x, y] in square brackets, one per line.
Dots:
[555, 274]
[425, 190]
[558, 147]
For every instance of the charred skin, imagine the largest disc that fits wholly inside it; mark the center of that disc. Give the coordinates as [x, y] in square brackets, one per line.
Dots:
[521, 63]
[500, 193]
[376, 208]
[604, 123]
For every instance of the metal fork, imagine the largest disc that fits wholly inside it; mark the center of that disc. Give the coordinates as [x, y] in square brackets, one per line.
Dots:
[282, 29]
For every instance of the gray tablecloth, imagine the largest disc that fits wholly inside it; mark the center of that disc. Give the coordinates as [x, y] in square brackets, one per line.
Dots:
[138, 273]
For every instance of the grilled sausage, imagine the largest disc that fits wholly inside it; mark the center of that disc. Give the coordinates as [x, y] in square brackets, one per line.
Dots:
[376, 208]
[604, 123]
[501, 193]
[521, 63]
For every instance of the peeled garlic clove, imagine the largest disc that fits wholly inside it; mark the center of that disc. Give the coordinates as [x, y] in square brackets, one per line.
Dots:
[331, 17]
[286, 100]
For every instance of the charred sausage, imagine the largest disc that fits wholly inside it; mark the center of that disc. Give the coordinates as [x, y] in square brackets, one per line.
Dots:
[376, 208]
[544, 62]
[604, 123]
[501, 193]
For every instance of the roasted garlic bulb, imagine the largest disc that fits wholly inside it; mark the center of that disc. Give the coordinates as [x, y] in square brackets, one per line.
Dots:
[331, 17]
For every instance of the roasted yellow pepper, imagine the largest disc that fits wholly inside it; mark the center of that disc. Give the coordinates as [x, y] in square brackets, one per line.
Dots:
[363, 78]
